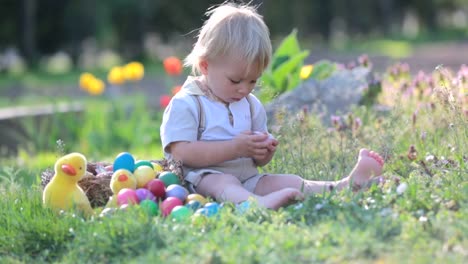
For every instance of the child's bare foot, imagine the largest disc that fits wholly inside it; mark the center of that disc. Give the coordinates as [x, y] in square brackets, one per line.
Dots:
[369, 164]
[278, 199]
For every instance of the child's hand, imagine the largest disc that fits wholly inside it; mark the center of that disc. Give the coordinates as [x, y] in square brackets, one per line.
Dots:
[272, 142]
[252, 145]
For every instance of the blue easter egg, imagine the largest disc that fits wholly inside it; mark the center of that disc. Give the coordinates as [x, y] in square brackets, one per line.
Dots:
[212, 208]
[203, 211]
[124, 160]
[194, 205]
[178, 191]
[243, 207]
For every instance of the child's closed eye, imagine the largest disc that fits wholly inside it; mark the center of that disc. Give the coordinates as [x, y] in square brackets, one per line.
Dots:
[234, 81]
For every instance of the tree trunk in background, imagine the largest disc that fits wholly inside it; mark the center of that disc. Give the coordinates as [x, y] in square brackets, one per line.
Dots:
[427, 13]
[325, 17]
[28, 30]
[386, 13]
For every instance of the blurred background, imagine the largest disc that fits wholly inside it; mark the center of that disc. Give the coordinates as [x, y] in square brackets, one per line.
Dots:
[86, 33]
[46, 47]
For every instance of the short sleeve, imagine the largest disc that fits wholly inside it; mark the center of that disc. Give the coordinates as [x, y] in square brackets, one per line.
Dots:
[259, 118]
[180, 123]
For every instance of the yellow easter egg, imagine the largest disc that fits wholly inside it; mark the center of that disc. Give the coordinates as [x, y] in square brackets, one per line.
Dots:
[143, 175]
[157, 167]
[196, 197]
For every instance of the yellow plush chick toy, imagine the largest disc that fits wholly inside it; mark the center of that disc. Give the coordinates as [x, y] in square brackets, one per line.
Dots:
[121, 179]
[63, 191]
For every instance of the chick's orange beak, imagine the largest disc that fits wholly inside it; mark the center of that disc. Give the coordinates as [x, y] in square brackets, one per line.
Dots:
[69, 169]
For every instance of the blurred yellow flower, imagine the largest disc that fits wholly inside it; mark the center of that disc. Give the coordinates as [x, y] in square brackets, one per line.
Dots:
[306, 71]
[116, 76]
[134, 71]
[96, 87]
[85, 79]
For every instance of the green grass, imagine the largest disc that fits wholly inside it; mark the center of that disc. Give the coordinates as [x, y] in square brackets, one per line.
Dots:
[422, 223]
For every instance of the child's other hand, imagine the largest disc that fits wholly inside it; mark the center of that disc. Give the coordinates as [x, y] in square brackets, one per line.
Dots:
[252, 145]
[272, 142]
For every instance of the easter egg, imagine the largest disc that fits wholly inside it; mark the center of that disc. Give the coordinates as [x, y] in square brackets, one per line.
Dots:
[143, 175]
[199, 219]
[143, 163]
[107, 212]
[168, 204]
[243, 207]
[124, 160]
[203, 211]
[150, 207]
[124, 207]
[180, 213]
[169, 178]
[175, 190]
[109, 168]
[127, 196]
[212, 208]
[144, 194]
[193, 205]
[157, 188]
[196, 197]
[157, 167]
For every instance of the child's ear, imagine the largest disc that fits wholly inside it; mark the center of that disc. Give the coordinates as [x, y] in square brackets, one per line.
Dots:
[203, 66]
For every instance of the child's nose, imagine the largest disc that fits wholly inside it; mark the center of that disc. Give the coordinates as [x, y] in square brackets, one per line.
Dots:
[245, 89]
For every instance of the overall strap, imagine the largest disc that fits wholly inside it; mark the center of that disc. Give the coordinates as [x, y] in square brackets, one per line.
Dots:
[201, 114]
[251, 108]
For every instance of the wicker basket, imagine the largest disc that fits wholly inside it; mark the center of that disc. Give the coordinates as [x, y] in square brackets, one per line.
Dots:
[96, 182]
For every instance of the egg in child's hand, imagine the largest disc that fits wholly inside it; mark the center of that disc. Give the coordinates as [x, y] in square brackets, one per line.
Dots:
[270, 136]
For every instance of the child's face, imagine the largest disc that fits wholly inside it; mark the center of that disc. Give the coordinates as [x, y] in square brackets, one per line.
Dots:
[228, 78]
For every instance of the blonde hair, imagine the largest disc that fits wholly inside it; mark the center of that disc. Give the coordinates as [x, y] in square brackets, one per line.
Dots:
[232, 30]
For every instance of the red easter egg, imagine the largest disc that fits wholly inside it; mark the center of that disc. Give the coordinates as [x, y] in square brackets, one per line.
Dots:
[168, 204]
[157, 188]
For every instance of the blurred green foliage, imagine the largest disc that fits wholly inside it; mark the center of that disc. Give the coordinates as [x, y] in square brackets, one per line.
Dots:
[283, 72]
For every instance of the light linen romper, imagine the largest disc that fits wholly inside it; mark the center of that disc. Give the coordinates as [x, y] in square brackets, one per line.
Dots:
[181, 122]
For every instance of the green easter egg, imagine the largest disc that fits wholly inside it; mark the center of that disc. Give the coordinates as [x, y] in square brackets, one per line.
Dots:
[181, 213]
[150, 207]
[169, 178]
[143, 163]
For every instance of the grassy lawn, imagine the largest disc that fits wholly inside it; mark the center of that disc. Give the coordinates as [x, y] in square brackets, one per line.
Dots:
[418, 215]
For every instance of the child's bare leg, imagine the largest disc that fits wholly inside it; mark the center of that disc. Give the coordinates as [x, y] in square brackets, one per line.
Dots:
[280, 198]
[225, 187]
[369, 164]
